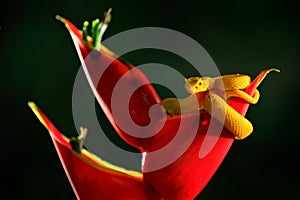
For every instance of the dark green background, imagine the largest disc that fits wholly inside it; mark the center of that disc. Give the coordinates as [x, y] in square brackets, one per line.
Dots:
[39, 62]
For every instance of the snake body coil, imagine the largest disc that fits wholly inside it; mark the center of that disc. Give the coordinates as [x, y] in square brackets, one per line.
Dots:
[215, 94]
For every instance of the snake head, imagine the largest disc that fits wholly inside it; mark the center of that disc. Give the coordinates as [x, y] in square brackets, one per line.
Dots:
[198, 84]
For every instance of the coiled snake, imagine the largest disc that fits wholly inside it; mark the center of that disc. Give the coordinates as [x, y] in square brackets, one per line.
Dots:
[211, 94]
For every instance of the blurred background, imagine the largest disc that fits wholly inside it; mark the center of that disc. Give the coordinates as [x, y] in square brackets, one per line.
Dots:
[39, 62]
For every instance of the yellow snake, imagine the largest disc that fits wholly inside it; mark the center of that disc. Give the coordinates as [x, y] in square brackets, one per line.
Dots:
[211, 90]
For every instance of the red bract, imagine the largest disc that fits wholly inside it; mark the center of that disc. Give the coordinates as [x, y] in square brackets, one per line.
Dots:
[182, 178]
[93, 178]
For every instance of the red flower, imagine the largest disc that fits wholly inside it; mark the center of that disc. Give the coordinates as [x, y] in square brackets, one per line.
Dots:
[165, 174]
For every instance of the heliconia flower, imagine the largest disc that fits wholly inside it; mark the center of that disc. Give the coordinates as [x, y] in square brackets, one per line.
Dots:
[183, 178]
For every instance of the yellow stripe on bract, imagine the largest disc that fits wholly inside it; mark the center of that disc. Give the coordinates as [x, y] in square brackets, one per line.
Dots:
[265, 74]
[108, 51]
[36, 111]
[60, 18]
[110, 166]
[98, 162]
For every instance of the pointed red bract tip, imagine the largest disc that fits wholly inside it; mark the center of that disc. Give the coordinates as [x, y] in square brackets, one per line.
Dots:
[92, 177]
[188, 175]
